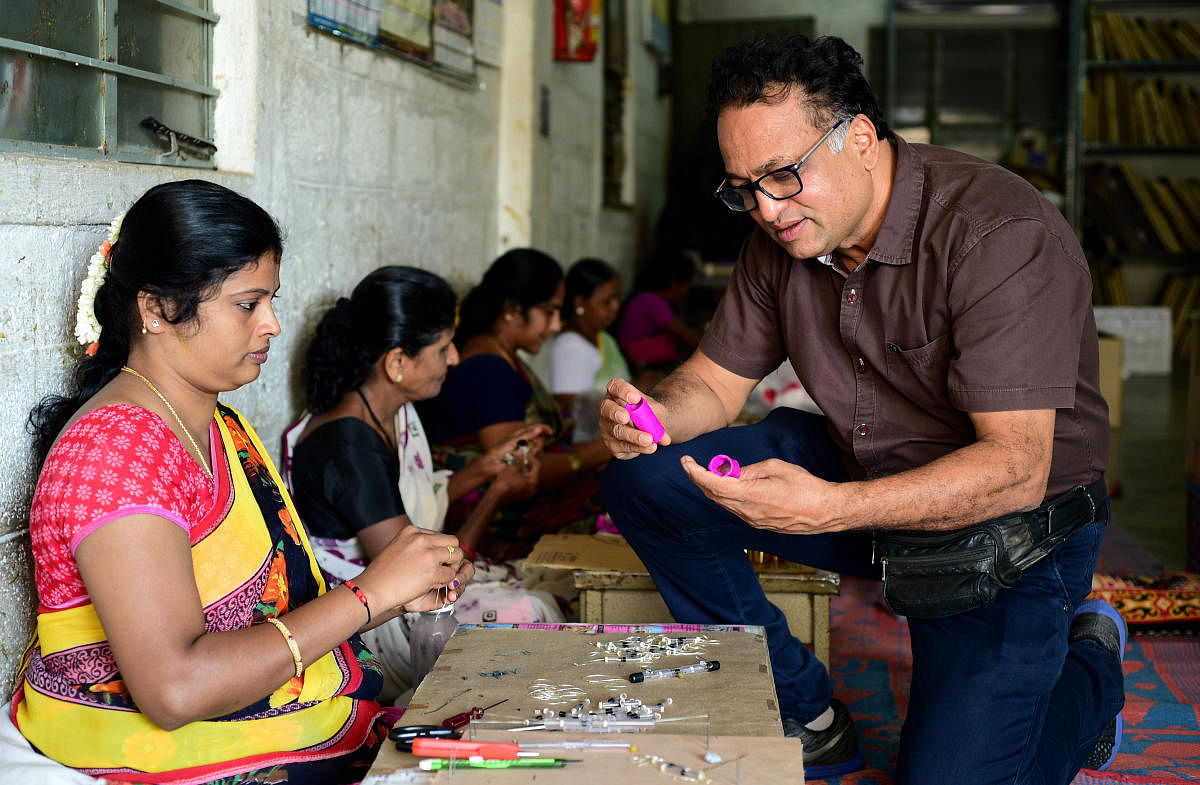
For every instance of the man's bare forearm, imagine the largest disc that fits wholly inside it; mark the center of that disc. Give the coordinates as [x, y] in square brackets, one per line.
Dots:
[692, 407]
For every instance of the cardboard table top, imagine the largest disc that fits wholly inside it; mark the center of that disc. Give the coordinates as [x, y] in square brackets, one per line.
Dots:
[484, 664]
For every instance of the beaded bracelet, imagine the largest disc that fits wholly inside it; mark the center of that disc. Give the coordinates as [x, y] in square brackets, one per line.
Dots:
[352, 586]
[291, 642]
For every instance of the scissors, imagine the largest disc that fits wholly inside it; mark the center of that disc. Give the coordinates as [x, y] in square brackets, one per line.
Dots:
[405, 735]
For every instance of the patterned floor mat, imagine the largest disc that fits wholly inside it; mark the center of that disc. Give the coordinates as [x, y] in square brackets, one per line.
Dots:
[872, 668]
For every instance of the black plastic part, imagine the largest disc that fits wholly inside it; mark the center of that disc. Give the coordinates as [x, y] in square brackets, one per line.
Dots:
[405, 734]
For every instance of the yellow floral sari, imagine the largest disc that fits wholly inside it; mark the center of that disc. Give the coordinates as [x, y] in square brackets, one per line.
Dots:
[256, 563]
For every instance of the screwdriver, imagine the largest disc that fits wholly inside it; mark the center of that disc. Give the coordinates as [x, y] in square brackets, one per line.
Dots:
[438, 764]
[464, 748]
[464, 718]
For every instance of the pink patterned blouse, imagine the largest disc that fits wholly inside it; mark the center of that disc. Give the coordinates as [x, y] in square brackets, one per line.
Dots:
[115, 461]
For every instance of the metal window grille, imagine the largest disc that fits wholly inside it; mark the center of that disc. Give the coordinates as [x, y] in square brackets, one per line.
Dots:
[78, 77]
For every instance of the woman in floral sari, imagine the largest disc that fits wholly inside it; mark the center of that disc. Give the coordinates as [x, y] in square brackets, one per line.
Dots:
[184, 632]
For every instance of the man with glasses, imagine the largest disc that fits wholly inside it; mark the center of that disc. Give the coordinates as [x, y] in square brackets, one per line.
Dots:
[937, 308]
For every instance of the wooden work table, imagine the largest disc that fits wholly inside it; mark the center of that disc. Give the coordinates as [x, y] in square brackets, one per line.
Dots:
[486, 664]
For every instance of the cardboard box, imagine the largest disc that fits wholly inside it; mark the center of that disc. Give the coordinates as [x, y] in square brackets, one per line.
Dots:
[1111, 381]
[614, 586]
[1146, 335]
[585, 552]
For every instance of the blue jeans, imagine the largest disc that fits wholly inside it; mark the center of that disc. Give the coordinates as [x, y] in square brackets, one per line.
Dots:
[997, 694]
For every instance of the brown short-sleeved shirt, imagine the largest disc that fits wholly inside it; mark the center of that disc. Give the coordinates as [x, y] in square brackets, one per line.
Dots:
[975, 298]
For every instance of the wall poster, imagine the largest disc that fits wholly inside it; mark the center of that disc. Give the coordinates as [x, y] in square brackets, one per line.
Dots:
[576, 31]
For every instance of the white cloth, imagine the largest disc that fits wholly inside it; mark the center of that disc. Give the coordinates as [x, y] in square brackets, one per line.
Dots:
[424, 491]
[574, 362]
[781, 387]
[341, 559]
[21, 764]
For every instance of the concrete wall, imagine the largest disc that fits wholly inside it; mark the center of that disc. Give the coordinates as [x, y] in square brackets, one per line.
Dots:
[364, 160]
[567, 173]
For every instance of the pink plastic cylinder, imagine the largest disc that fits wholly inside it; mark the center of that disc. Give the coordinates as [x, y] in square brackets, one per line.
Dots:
[725, 466]
[644, 419]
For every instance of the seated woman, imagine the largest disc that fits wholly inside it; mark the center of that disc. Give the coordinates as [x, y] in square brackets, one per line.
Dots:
[360, 465]
[649, 331]
[516, 306]
[584, 356]
[184, 632]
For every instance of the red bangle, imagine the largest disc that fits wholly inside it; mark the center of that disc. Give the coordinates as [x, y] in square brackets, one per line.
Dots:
[352, 586]
[467, 550]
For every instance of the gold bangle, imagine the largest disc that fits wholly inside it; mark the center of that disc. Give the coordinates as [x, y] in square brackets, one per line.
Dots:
[574, 460]
[291, 642]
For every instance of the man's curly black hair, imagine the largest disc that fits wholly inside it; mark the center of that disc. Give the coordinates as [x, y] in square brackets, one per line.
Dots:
[827, 73]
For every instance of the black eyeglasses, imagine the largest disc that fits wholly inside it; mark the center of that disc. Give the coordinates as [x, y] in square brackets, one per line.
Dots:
[783, 183]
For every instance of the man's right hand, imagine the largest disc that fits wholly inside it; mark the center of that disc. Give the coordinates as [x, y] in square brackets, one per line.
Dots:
[620, 435]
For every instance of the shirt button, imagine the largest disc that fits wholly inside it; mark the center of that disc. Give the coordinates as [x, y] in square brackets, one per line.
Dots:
[852, 296]
[862, 430]
[861, 365]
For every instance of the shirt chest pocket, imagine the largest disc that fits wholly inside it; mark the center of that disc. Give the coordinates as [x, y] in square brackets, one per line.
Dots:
[920, 373]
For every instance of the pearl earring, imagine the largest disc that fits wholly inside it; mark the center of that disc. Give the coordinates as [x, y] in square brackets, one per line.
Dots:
[399, 378]
[143, 329]
[579, 311]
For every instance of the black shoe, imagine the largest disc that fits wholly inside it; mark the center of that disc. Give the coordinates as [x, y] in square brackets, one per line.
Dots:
[1106, 748]
[830, 752]
[1098, 621]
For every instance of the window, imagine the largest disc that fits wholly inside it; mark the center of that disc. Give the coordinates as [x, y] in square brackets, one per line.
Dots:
[79, 77]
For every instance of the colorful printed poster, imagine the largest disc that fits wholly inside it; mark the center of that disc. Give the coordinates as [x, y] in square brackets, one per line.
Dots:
[576, 33]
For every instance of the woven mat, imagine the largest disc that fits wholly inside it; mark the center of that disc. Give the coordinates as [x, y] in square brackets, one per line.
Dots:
[1151, 603]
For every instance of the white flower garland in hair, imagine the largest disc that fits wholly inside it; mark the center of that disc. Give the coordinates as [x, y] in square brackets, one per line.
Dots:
[87, 327]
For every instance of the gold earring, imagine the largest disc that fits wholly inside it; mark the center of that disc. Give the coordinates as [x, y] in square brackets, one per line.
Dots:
[508, 317]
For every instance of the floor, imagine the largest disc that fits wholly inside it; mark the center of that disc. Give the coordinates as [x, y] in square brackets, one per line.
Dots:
[1146, 473]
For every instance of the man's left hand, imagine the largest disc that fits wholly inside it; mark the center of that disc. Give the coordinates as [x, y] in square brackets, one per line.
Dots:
[772, 495]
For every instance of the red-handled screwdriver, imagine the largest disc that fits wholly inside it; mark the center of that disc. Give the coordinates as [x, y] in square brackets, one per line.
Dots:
[464, 718]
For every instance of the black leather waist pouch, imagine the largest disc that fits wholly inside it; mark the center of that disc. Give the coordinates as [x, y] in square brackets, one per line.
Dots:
[930, 575]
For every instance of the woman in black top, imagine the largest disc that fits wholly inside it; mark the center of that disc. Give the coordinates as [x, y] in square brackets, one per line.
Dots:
[359, 463]
[373, 354]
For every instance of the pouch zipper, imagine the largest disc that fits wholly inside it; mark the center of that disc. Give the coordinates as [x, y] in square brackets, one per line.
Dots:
[938, 539]
[941, 558]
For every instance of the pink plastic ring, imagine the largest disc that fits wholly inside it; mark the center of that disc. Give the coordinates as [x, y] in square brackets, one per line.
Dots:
[725, 466]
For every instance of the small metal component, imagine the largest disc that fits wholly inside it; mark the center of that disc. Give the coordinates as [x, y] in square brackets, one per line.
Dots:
[709, 755]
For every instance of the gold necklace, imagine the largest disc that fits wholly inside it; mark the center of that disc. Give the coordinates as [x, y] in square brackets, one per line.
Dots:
[504, 352]
[170, 408]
